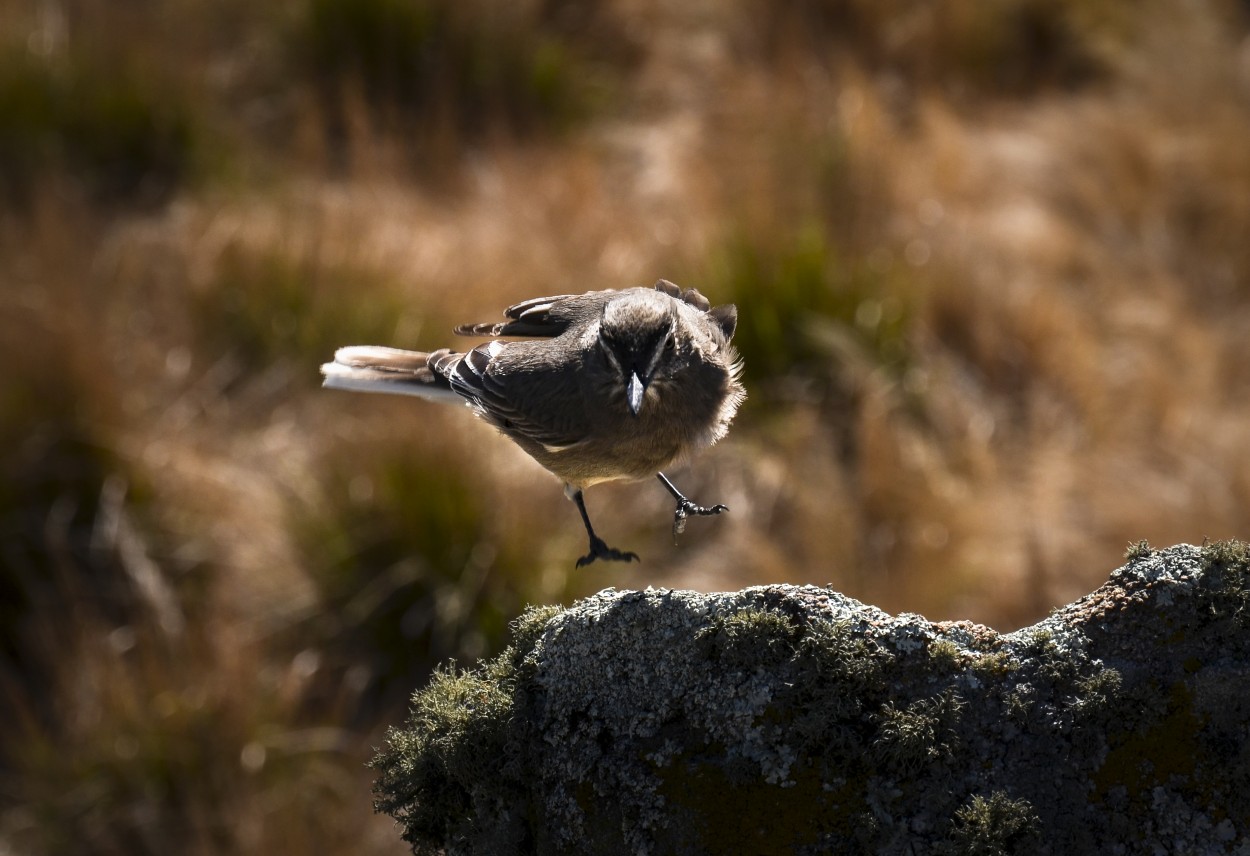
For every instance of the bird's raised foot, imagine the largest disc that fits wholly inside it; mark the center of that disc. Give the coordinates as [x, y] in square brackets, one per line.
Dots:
[600, 550]
[687, 509]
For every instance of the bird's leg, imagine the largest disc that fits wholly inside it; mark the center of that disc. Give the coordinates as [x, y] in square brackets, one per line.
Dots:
[598, 548]
[685, 507]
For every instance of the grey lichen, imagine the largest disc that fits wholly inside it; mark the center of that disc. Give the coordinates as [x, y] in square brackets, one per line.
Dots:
[789, 719]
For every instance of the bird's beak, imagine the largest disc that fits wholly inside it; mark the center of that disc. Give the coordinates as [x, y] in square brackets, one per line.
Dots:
[633, 392]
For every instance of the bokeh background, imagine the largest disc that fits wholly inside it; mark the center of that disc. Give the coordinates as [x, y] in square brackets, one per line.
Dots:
[992, 262]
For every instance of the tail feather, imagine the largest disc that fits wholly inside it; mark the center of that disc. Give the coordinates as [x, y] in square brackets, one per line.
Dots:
[370, 368]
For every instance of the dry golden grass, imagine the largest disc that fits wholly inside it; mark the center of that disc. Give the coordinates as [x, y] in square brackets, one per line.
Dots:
[995, 319]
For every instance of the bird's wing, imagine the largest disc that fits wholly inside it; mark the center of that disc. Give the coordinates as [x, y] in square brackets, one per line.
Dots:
[726, 316]
[547, 317]
[540, 317]
[507, 407]
[686, 295]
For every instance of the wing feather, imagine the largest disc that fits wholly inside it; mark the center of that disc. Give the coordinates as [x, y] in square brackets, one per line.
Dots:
[472, 377]
[540, 317]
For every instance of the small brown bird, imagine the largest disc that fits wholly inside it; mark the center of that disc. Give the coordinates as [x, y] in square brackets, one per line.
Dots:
[610, 385]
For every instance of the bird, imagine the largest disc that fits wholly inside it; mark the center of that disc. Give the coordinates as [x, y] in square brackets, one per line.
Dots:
[602, 386]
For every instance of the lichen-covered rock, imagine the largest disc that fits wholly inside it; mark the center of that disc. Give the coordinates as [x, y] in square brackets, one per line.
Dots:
[786, 719]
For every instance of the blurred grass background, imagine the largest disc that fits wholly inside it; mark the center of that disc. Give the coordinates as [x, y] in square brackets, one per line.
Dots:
[994, 278]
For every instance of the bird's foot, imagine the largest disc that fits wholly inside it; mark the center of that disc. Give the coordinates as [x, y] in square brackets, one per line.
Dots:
[686, 509]
[600, 550]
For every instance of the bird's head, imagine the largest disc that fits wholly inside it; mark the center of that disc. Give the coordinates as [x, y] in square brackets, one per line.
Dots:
[638, 337]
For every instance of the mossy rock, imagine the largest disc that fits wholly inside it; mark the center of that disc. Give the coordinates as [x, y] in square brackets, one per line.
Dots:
[787, 719]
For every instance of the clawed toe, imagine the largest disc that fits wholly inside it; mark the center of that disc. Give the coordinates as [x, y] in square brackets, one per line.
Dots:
[687, 509]
[600, 550]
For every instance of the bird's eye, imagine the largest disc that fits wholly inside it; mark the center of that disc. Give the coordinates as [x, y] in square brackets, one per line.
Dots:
[670, 344]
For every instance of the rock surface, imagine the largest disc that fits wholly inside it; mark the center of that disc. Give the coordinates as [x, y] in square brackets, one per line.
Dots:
[785, 719]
